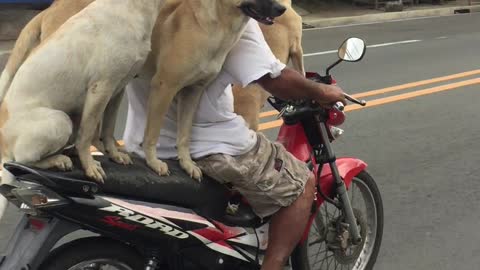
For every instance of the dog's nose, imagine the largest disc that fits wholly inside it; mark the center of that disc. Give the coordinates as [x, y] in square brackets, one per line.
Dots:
[278, 9]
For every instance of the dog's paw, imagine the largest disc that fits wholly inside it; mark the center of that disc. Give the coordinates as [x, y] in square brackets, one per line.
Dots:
[160, 167]
[191, 169]
[62, 163]
[121, 158]
[96, 172]
[98, 144]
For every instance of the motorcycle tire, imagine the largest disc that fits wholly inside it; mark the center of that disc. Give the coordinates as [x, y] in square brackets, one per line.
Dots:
[300, 258]
[93, 253]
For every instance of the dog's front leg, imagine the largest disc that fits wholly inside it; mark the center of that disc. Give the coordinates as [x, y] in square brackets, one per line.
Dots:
[108, 130]
[96, 101]
[188, 100]
[296, 55]
[97, 139]
[160, 98]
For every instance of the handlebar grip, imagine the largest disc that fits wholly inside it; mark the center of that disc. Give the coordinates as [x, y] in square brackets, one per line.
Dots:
[339, 106]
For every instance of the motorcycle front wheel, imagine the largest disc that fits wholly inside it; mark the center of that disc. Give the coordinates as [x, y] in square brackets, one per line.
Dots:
[93, 254]
[328, 245]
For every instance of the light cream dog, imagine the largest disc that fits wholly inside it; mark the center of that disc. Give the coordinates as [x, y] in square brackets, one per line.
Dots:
[76, 73]
[285, 40]
[189, 45]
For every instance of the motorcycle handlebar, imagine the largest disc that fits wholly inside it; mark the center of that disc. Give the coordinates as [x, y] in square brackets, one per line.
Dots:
[339, 106]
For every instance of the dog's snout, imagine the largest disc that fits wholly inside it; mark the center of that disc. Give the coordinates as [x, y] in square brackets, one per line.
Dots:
[278, 9]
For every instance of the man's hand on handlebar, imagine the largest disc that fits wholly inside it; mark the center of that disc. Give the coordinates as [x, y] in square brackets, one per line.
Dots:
[291, 85]
[330, 95]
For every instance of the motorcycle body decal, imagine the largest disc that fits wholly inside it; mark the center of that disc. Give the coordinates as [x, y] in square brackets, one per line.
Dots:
[157, 212]
[141, 220]
[117, 222]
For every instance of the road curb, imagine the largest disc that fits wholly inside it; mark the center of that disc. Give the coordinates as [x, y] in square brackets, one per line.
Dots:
[390, 16]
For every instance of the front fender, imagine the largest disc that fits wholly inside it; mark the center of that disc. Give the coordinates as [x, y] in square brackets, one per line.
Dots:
[348, 168]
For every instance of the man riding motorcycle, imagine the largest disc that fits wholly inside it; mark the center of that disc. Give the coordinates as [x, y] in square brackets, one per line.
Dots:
[270, 178]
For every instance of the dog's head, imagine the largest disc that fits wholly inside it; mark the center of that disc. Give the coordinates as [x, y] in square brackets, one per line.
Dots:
[263, 11]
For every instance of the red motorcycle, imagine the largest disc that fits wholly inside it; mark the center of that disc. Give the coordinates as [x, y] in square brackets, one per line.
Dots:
[139, 220]
[341, 233]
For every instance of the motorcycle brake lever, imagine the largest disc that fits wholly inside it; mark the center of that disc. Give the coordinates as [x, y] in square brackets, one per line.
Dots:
[354, 100]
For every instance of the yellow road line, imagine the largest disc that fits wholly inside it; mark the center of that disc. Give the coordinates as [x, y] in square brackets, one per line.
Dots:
[416, 84]
[391, 99]
[398, 87]
[386, 100]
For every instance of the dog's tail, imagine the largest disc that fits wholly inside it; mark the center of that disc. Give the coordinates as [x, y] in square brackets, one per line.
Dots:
[28, 39]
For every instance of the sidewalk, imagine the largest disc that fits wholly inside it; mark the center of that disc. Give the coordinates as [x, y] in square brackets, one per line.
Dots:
[326, 14]
[319, 14]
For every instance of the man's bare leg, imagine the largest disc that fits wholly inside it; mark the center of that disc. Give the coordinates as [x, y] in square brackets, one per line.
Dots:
[287, 227]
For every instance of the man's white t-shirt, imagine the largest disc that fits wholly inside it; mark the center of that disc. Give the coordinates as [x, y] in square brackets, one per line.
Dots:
[216, 128]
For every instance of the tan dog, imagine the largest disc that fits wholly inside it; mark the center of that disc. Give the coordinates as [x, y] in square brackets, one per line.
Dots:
[193, 41]
[189, 45]
[285, 41]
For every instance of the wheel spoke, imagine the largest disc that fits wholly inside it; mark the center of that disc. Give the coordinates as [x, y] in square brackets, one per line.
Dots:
[100, 264]
[364, 204]
[318, 254]
[330, 261]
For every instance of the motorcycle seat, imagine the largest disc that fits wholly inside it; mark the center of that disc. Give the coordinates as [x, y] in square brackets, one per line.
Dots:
[138, 182]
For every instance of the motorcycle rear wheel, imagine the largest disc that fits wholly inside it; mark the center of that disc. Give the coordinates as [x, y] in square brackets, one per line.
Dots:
[317, 253]
[94, 253]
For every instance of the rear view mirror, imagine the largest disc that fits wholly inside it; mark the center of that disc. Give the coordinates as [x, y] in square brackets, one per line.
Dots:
[352, 50]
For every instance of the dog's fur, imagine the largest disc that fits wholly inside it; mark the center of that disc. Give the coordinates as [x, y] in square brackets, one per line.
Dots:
[37, 30]
[177, 22]
[181, 64]
[77, 73]
[176, 62]
[285, 40]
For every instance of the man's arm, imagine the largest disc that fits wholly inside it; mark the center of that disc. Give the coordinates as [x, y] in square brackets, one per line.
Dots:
[291, 85]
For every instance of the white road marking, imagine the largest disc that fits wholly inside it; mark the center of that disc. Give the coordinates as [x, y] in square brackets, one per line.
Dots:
[320, 53]
[394, 43]
[4, 52]
[370, 46]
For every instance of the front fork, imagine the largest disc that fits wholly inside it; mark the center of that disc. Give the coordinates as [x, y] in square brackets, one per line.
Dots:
[341, 188]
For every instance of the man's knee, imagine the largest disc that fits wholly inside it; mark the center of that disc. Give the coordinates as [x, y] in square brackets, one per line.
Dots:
[310, 187]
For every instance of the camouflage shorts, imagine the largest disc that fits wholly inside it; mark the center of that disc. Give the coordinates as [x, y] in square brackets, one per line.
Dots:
[268, 176]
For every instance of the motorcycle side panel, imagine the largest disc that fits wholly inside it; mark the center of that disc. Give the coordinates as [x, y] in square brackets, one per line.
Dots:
[295, 141]
[28, 246]
[145, 225]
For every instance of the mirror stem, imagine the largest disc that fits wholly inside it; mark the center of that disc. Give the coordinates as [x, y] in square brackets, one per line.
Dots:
[333, 65]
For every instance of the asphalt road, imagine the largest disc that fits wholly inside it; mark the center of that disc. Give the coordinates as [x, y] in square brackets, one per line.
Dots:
[423, 150]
